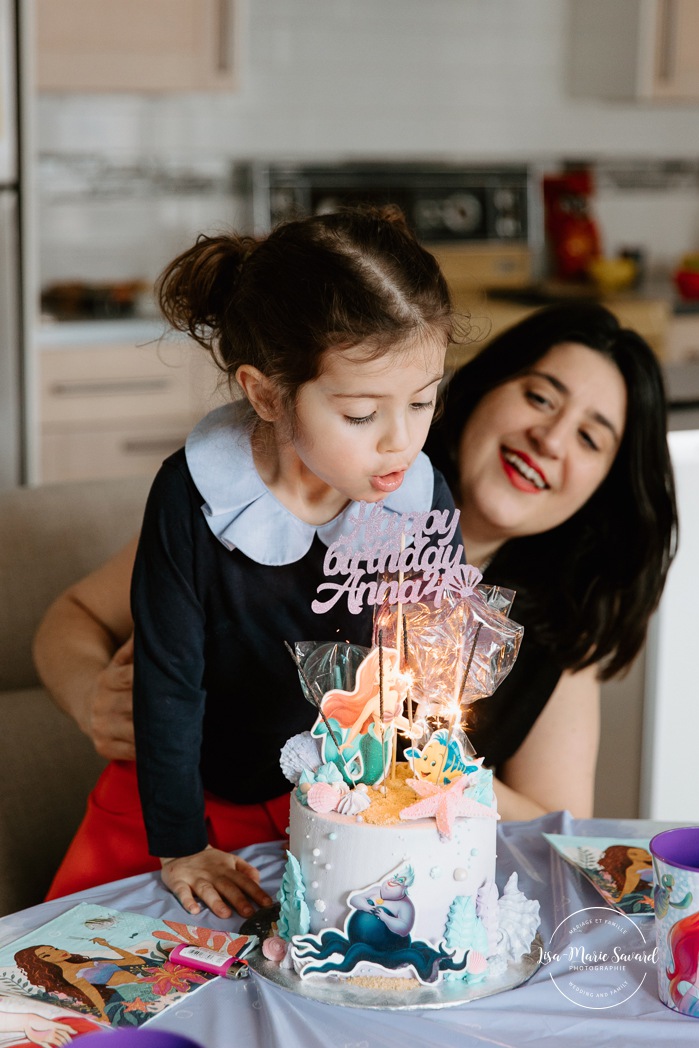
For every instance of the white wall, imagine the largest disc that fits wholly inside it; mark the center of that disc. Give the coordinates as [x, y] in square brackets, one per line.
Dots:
[466, 79]
[671, 721]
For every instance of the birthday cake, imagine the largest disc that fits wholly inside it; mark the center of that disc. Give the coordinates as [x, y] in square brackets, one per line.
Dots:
[394, 879]
[390, 871]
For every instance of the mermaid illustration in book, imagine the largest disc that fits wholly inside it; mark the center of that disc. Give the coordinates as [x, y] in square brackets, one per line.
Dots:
[630, 876]
[67, 965]
[91, 981]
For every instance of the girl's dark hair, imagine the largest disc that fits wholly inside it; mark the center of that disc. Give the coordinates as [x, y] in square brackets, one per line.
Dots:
[593, 581]
[278, 302]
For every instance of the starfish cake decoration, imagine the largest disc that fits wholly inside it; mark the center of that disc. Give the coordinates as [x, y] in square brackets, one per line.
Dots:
[445, 803]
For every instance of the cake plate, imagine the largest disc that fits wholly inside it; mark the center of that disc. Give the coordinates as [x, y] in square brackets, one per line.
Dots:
[341, 991]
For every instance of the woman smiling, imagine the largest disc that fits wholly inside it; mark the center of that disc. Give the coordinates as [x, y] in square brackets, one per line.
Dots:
[553, 440]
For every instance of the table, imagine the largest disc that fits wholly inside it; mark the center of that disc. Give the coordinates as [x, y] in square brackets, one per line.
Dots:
[253, 1013]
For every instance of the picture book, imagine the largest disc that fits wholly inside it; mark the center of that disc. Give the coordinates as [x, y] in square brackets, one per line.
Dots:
[620, 870]
[94, 965]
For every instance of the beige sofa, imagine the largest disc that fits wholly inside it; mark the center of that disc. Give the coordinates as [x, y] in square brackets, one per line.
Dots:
[49, 537]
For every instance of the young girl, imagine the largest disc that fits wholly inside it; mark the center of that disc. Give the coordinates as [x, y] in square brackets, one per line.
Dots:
[335, 328]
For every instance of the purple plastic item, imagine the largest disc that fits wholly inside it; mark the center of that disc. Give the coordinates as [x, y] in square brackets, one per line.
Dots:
[136, 1038]
[679, 847]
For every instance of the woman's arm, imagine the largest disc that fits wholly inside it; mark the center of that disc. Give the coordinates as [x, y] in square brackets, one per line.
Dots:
[554, 768]
[125, 956]
[83, 655]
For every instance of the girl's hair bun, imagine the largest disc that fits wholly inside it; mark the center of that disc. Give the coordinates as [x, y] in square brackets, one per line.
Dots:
[393, 214]
[195, 290]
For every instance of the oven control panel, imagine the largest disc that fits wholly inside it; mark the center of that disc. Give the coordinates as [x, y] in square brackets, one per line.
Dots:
[442, 203]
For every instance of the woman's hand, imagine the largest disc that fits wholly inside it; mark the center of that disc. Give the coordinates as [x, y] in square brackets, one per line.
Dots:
[110, 710]
[218, 879]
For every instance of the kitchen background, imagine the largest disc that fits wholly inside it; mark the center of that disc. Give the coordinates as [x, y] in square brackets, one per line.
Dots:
[142, 120]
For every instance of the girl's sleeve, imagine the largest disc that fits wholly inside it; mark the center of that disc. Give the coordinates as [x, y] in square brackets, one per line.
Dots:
[168, 670]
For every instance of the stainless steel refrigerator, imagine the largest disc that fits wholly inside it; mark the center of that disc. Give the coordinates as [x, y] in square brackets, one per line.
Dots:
[12, 400]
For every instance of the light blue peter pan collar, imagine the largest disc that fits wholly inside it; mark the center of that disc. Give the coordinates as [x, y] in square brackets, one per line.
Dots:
[243, 514]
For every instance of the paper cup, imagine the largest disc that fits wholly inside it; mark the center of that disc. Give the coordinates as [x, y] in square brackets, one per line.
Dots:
[676, 902]
[134, 1037]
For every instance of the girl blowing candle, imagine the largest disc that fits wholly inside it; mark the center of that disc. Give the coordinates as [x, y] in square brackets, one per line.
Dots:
[335, 330]
[576, 516]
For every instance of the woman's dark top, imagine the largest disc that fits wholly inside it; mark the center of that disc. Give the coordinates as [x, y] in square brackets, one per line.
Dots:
[499, 723]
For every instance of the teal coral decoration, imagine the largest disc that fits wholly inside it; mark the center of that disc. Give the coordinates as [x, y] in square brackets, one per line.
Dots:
[294, 916]
[465, 931]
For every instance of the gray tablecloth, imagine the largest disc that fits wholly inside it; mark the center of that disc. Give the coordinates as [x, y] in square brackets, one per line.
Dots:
[255, 1013]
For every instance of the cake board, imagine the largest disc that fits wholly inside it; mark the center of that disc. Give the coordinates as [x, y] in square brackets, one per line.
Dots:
[342, 991]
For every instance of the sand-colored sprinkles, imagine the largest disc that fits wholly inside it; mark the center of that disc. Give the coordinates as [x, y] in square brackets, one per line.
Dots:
[378, 982]
[385, 809]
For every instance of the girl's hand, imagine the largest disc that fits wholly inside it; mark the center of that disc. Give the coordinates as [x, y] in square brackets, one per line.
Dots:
[217, 879]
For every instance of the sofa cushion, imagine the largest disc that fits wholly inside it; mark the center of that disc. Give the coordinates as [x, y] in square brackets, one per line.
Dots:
[50, 537]
[47, 768]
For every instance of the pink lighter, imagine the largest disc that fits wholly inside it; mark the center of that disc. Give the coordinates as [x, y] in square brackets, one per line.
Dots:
[204, 960]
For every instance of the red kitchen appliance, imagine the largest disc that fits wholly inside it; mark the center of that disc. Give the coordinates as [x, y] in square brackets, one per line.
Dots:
[571, 233]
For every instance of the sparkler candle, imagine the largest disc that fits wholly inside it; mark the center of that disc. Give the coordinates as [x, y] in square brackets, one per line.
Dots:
[438, 632]
[399, 630]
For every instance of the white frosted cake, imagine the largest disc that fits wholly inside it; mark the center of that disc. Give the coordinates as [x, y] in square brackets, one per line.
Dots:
[397, 880]
[338, 854]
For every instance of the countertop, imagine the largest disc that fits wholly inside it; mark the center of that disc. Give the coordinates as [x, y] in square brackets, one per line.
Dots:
[60, 334]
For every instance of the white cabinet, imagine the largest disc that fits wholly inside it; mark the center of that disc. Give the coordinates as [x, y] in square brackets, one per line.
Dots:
[135, 45]
[116, 409]
[642, 49]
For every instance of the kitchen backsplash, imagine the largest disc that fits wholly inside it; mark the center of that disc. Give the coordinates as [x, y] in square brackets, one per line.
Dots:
[463, 80]
[106, 219]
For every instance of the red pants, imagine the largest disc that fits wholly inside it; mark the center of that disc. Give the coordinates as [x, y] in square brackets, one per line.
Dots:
[111, 840]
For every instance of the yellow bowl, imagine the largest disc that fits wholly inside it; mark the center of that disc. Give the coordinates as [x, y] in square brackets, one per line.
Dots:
[612, 274]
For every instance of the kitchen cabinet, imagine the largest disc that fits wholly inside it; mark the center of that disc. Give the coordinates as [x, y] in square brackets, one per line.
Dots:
[485, 317]
[135, 45]
[642, 49]
[115, 409]
[683, 338]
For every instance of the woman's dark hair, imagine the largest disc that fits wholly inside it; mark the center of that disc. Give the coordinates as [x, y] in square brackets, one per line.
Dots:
[593, 581]
[278, 302]
[49, 974]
